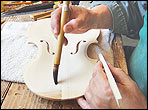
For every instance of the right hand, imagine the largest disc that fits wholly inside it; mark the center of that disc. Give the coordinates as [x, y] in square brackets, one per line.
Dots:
[79, 20]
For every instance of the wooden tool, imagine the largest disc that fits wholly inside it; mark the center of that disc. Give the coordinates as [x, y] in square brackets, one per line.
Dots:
[65, 9]
[28, 9]
[2, 21]
[42, 15]
[111, 80]
[18, 3]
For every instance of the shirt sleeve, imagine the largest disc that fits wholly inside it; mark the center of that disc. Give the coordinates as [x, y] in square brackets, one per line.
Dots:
[128, 16]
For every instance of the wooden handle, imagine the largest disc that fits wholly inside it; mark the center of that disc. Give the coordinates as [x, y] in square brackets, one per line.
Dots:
[65, 9]
[42, 15]
[18, 3]
[2, 21]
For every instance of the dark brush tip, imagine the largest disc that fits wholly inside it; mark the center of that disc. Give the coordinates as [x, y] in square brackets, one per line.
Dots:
[55, 74]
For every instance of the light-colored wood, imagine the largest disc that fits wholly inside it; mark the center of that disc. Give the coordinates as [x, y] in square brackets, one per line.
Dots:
[4, 89]
[75, 70]
[42, 15]
[119, 55]
[17, 3]
[2, 21]
[33, 101]
[19, 97]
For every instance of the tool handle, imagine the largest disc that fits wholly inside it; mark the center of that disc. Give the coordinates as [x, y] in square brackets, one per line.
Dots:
[18, 3]
[36, 7]
[111, 80]
[65, 9]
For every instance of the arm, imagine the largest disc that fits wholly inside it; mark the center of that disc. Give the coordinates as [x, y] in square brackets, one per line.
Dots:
[81, 20]
[127, 15]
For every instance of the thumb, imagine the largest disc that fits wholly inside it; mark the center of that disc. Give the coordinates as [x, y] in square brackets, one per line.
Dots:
[72, 25]
[119, 75]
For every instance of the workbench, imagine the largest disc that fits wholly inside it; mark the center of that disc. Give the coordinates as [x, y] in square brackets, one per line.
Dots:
[18, 96]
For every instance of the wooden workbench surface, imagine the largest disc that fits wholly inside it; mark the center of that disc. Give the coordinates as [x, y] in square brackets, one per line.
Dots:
[18, 96]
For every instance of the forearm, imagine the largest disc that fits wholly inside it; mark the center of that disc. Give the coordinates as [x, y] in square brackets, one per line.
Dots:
[102, 17]
[119, 20]
[127, 16]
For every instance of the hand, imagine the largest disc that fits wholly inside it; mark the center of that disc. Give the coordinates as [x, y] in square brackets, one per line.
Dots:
[99, 94]
[80, 20]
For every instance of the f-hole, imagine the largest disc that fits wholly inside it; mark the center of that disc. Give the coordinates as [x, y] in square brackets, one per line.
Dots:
[47, 45]
[77, 47]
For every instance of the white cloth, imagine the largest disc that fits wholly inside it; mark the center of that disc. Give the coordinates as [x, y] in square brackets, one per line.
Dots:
[15, 51]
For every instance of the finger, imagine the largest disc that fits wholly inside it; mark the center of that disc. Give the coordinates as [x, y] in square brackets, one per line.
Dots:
[72, 26]
[65, 41]
[55, 20]
[88, 95]
[119, 74]
[83, 103]
[97, 66]
[99, 70]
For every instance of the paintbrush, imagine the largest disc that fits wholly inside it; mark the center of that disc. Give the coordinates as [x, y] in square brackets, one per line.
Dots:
[57, 58]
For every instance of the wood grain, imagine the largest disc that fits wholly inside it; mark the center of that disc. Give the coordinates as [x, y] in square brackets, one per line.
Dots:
[119, 55]
[4, 89]
[20, 97]
[42, 15]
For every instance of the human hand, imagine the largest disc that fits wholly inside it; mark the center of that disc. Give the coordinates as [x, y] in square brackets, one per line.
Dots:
[80, 20]
[99, 94]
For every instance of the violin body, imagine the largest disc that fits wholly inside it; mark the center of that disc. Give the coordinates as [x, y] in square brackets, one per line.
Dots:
[76, 66]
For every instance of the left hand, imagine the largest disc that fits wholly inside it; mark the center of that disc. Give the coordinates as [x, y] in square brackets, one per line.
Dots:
[98, 94]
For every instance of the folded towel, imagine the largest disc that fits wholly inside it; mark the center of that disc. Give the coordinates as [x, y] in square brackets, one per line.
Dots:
[15, 51]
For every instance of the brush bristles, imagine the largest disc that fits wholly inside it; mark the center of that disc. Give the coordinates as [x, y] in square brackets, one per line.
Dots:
[55, 74]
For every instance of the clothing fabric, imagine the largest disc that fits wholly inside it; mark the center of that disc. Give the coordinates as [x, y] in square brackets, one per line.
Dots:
[138, 60]
[128, 19]
[127, 16]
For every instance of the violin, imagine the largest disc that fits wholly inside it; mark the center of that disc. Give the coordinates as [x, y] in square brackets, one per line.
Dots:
[78, 59]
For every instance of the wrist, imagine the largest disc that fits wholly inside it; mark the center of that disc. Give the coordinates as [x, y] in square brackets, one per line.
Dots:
[101, 17]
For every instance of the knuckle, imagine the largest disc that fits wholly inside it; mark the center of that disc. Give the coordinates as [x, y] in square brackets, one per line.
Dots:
[98, 103]
[94, 74]
[96, 65]
[77, 23]
[107, 90]
[56, 36]
[119, 69]
[133, 83]
[52, 13]
[87, 96]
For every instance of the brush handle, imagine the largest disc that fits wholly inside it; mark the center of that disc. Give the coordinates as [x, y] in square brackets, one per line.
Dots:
[65, 9]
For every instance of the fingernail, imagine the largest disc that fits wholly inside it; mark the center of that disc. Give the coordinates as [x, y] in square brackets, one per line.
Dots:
[109, 64]
[69, 28]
